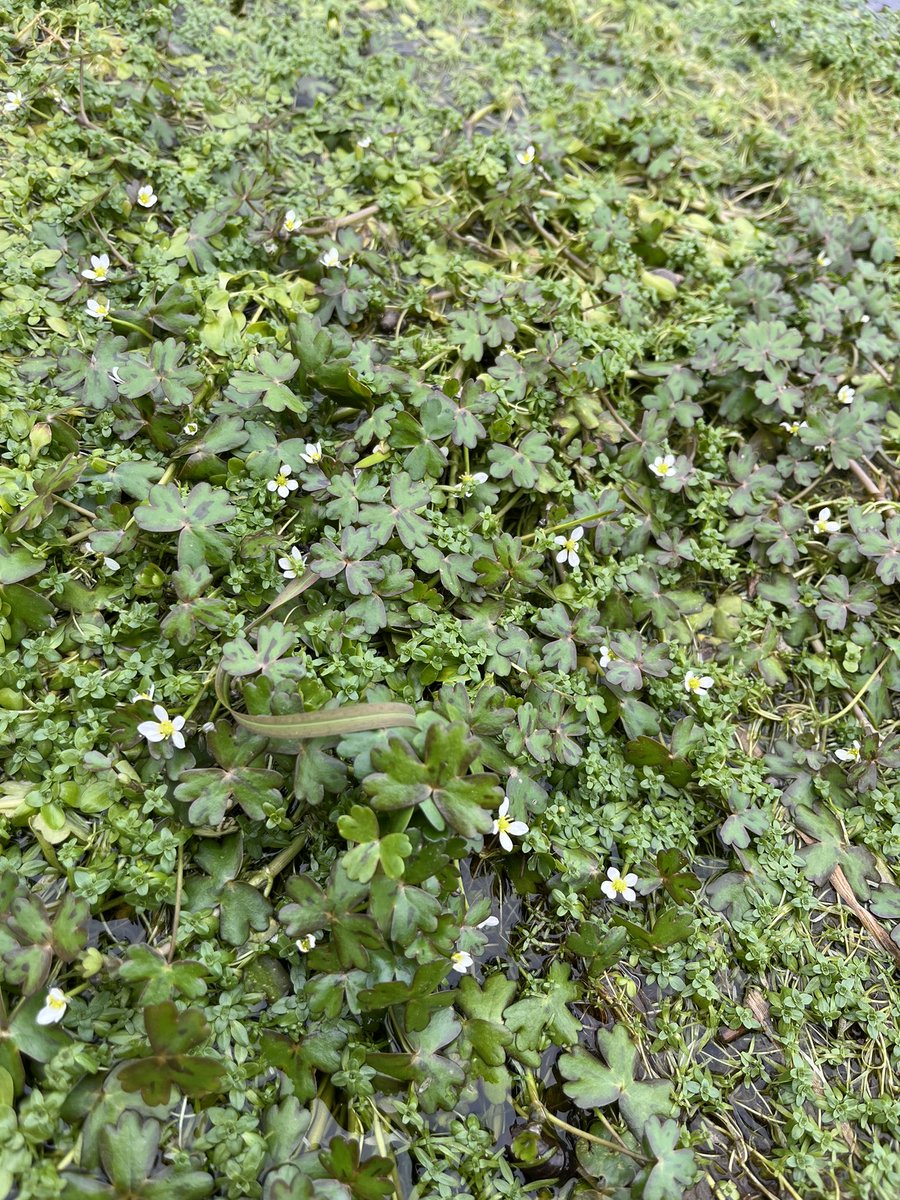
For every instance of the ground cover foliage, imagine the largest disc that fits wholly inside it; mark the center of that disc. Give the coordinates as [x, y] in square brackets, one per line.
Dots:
[448, 498]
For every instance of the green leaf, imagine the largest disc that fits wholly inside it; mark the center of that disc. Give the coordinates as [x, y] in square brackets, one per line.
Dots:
[590, 1084]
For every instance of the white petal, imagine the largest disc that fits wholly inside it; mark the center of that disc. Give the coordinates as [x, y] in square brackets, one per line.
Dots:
[160, 713]
[631, 879]
[178, 722]
[504, 807]
[574, 560]
[608, 890]
[178, 739]
[577, 533]
[612, 873]
[562, 556]
[518, 828]
[150, 730]
[630, 895]
[271, 485]
[506, 842]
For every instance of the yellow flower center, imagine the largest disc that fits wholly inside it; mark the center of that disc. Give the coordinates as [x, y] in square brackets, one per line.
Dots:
[456, 958]
[663, 468]
[571, 544]
[281, 480]
[56, 1003]
[619, 885]
[166, 728]
[503, 824]
[694, 684]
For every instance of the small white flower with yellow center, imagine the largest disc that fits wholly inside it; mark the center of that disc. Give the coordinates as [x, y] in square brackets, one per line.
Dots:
[282, 483]
[291, 564]
[568, 551]
[506, 829]
[55, 1005]
[468, 483]
[850, 755]
[364, 142]
[305, 944]
[146, 197]
[823, 522]
[98, 306]
[663, 465]
[865, 319]
[619, 887]
[606, 657]
[191, 428]
[99, 268]
[331, 258]
[144, 695]
[14, 101]
[823, 260]
[291, 222]
[698, 685]
[794, 427]
[526, 156]
[846, 394]
[312, 453]
[164, 728]
[460, 961]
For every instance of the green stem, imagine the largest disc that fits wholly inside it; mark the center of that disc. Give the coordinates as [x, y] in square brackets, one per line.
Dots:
[859, 695]
[618, 1147]
[279, 862]
[528, 537]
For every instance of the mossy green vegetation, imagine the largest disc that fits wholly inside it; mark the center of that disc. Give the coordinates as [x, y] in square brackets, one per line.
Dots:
[449, 540]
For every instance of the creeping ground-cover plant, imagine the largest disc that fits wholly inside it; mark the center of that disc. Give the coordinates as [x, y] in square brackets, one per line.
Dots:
[449, 629]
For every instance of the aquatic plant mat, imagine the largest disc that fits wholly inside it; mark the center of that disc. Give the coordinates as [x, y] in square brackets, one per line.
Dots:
[449, 625]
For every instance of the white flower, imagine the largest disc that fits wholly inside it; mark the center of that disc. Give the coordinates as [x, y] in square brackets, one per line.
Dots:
[364, 142]
[569, 546]
[291, 565]
[467, 483]
[846, 394]
[331, 258]
[526, 156]
[110, 563]
[823, 523]
[698, 685]
[146, 197]
[144, 695]
[823, 260]
[865, 318]
[55, 1005]
[14, 100]
[191, 428]
[305, 944]
[849, 755]
[794, 427]
[99, 268]
[282, 484]
[488, 923]
[312, 453]
[663, 465]
[291, 222]
[619, 887]
[606, 657]
[461, 961]
[505, 828]
[163, 728]
[114, 376]
[98, 307]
